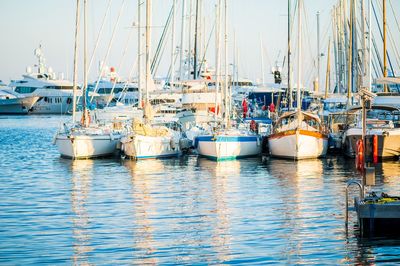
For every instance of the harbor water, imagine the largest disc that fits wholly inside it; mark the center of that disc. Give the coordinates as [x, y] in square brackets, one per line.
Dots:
[187, 210]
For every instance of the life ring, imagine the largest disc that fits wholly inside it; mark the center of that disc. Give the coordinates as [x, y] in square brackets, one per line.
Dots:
[360, 155]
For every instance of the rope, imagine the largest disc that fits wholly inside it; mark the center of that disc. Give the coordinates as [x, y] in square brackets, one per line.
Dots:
[109, 47]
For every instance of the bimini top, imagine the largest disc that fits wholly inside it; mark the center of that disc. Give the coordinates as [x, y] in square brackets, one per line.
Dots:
[305, 114]
[374, 107]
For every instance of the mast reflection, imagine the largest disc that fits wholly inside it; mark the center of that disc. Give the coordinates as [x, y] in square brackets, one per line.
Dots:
[143, 204]
[81, 185]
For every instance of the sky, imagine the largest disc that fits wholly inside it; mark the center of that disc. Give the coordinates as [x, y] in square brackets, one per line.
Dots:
[26, 24]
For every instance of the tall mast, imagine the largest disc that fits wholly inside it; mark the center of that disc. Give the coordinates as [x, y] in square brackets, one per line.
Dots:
[350, 57]
[289, 54]
[217, 55]
[148, 41]
[385, 70]
[195, 40]
[85, 78]
[189, 56]
[139, 51]
[75, 78]
[262, 61]
[299, 61]
[171, 80]
[328, 70]
[181, 45]
[335, 46]
[370, 45]
[364, 42]
[227, 110]
[319, 53]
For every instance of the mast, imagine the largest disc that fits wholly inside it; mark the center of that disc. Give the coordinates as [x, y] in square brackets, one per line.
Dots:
[364, 43]
[75, 78]
[370, 45]
[148, 41]
[350, 57]
[217, 55]
[299, 62]
[171, 80]
[335, 45]
[262, 60]
[139, 52]
[85, 78]
[385, 70]
[195, 40]
[328, 70]
[227, 110]
[189, 56]
[319, 53]
[289, 54]
[181, 45]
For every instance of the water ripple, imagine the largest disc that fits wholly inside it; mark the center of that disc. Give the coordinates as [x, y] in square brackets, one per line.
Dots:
[181, 211]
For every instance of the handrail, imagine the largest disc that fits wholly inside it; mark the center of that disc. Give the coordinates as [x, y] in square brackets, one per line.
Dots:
[361, 187]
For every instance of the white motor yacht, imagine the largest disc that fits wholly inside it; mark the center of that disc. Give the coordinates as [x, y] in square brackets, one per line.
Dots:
[15, 103]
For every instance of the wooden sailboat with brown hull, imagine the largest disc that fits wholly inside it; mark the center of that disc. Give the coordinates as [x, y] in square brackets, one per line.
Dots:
[298, 138]
[298, 134]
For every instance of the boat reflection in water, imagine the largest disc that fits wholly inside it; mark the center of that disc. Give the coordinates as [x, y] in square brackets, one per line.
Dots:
[144, 208]
[390, 173]
[81, 186]
[224, 182]
[300, 207]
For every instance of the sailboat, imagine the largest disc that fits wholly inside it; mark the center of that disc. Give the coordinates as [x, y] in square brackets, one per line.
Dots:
[298, 134]
[85, 139]
[227, 143]
[145, 139]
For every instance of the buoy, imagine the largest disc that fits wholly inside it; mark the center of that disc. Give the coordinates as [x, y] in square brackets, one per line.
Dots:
[375, 147]
[360, 155]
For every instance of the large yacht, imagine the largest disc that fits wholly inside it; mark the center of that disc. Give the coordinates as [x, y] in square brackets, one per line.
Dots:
[55, 94]
[14, 103]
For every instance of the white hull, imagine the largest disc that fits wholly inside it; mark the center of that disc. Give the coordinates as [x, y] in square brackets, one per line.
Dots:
[297, 146]
[42, 107]
[228, 147]
[17, 105]
[86, 146]
[146, 147]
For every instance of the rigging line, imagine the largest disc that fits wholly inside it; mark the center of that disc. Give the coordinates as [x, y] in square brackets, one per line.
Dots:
[121, 63]
[390, 37]
[99, 35]
[124, 89]
[380, 31]
[312, 67]
[394, 15]
[161, 42]
[377, 53]
[109, 47]
[207, 45]
[162, 50]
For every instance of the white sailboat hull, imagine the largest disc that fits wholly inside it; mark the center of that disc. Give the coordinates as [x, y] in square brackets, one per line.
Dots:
[147, 147]
[86, 146]
[228, 147]
[298, 144]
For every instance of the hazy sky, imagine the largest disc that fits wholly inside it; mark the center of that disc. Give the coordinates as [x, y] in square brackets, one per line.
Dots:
[25, 24]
